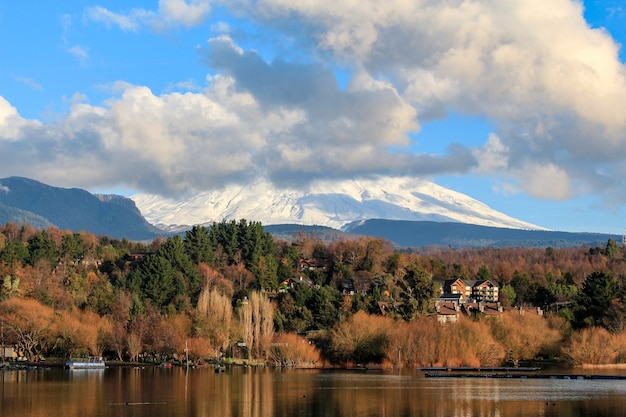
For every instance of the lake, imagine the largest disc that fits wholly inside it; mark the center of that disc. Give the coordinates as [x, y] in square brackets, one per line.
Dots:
[258, 392]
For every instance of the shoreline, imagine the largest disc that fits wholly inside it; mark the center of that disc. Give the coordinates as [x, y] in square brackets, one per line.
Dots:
[603, 366]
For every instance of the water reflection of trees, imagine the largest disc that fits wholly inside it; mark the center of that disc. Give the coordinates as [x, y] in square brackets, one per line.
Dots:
[258, 392]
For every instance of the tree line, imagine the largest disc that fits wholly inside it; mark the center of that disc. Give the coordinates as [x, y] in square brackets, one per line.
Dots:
[232, 290]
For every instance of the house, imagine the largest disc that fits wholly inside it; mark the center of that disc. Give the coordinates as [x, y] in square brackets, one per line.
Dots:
[448, 312]
[457, 286]
[312, 264]
[483, 308]
[486, 290]
[346, 286]
[450, 298]
[138, 256]
[472, 290]
[468, 297]
[290, 282]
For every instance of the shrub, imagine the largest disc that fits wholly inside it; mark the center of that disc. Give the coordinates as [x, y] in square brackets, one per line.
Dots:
[293, 351]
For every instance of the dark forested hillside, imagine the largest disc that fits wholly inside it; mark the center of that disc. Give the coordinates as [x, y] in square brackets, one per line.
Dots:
[29, 201]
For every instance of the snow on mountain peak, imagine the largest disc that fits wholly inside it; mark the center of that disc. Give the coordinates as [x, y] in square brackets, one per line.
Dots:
[326, 203]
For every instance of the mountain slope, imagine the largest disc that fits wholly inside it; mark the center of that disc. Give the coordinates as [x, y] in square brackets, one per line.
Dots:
[459, 235]
[26, 200]
[17, 216]
[326, 203]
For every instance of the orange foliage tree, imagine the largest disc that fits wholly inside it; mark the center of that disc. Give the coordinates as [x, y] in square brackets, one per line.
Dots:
[292, 351]
[28, 324]
[593, 346]
[361, 339]
[426, 342]
[525, 335]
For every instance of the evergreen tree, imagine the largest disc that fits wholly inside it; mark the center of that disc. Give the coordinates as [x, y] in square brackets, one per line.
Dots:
[416, 292]
[598, 302]
[198, 245]
[483, 273]
[41, 246]
[154, 279]
[72, 247]
[187, 278]
[611, 249]
[14, 252]
[323, 304]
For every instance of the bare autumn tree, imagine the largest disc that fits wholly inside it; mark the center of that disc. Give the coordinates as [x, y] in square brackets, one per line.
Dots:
[160, 339]
[134, 346]
[216, 312]
[257, 324]
[180, 326]
[214, 280]
[266, 323]
[305, 244]
[247, 332]
[120, 316]
[208, 275]
[238, 275]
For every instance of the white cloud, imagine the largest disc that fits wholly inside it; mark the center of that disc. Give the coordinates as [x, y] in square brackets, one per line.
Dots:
[79, 52]
[12, 125]
[170, 13]
[187, 13]
[29, 82]
[130, 22]
[493, 156]
[553, 88]
[545, 181]
[286, 121]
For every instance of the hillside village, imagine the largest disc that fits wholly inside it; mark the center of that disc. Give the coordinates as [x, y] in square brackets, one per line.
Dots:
[233, 292]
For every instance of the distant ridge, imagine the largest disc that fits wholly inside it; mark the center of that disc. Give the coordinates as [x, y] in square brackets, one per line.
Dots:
[23, 200]
[460, 235]
[18, 216]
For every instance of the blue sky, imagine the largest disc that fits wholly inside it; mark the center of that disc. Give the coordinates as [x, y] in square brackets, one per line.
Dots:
[518, 103]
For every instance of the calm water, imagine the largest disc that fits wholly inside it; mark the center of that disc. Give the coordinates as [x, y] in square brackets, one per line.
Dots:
[245, 392]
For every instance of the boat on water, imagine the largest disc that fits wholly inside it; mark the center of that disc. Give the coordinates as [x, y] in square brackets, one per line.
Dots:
[92, 362]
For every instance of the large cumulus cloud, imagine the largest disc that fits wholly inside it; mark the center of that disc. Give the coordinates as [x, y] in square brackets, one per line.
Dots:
[553, 88]
[289, 122]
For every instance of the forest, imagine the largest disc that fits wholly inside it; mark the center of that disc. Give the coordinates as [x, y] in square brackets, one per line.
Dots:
[232, 292]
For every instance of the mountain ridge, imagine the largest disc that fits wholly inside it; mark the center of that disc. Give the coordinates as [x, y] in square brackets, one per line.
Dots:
[409, 234]
[73, 209]
[28, 201]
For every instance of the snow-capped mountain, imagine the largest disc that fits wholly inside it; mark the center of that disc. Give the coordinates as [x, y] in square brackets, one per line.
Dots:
[326, 203]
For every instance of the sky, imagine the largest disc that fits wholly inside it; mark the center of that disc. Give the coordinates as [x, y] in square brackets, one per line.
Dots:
[520, 104]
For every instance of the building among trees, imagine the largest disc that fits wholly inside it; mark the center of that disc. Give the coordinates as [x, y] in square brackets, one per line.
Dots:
[467, 290]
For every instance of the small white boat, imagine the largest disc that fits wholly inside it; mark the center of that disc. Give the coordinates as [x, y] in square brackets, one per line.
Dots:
[91, 362]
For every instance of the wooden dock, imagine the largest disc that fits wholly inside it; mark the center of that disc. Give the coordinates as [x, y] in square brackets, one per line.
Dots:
[524, 376]
[481, 369]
